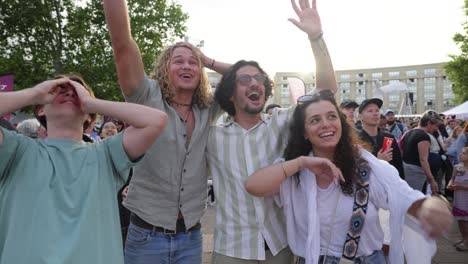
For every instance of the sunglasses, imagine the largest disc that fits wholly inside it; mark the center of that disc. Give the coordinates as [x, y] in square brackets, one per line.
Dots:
[324, 94]
[246, 79]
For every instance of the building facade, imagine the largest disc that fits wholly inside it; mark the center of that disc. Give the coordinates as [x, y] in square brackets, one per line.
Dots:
[427, 86]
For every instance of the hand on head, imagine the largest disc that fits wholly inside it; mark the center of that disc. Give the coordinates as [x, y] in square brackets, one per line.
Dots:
[309, 19]
[47, 91]
[206, 62]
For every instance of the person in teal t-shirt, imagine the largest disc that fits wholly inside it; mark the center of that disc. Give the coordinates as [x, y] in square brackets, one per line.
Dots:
[57, 195]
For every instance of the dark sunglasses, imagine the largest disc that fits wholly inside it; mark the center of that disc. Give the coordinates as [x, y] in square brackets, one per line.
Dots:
[246, 79]
[324, 94]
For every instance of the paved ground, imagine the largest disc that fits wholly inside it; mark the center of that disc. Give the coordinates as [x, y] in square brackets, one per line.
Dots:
[446, 253]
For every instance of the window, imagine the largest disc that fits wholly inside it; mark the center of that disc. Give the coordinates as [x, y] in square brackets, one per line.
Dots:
[345, 76]
[394, 74]
[361, 75]
[411, 73]
[377, 75]
[431, 71]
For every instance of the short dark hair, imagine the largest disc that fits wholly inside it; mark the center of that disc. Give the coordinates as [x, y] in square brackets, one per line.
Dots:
[227, 85]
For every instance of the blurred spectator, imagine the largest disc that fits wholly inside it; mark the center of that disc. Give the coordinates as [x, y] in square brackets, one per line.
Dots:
[395, 128]
[452, 122]
[348, 107]
[29, 128]
[107, 129]
[383, 123]
[451, 144]
[120, 125]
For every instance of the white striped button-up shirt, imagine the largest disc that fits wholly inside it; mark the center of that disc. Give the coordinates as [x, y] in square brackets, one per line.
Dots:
[245, 222]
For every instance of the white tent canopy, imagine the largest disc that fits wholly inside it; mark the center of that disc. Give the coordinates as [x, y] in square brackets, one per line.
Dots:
[460, 111]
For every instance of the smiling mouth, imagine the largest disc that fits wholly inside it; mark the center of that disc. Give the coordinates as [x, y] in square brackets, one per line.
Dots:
[255, 96]
[186, 76]
[326, 134]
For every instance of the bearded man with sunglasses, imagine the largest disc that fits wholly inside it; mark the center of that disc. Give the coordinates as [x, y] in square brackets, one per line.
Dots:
[249, 229]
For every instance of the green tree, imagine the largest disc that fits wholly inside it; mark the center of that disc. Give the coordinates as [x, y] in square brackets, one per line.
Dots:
[41, 38]
[457, 68]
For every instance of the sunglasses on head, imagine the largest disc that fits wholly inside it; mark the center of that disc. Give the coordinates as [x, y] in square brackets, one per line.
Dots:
[246, 79]
[324, 94]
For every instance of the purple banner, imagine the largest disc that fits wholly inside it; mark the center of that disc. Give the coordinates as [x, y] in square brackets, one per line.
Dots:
[6, 85]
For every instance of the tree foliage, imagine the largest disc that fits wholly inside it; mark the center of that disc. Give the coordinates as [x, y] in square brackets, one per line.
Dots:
[42, 38]
[457, 68]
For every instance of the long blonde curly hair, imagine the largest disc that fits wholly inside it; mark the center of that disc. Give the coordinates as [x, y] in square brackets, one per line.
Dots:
[202, 96]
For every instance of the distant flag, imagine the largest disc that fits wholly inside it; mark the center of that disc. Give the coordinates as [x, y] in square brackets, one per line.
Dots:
[296, 88]
[6, 85]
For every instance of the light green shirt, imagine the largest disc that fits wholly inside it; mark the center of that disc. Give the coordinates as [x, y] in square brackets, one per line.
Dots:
[58, 200]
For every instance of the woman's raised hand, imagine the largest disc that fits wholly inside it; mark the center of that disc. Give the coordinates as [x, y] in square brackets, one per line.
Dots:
[309, 19]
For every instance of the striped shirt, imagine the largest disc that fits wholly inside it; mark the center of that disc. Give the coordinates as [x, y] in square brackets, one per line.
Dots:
[245, 222]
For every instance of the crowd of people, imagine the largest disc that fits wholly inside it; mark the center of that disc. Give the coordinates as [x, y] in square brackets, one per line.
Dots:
[302, 184]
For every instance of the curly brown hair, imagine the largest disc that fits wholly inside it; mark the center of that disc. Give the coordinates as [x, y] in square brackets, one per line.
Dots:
[202, 96]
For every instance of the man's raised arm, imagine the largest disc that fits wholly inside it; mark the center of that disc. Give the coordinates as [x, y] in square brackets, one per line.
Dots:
[130, 68]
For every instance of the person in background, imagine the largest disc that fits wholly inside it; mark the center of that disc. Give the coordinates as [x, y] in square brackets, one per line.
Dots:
[416, 145]
[451, 144]
[107, 129]
[459, 184]
[57, 195]
[369, 114]
[395, 128]
[452, 122]
[270, 107]
[348, 107]
[330, 190]
[383, 123]
[29, 128]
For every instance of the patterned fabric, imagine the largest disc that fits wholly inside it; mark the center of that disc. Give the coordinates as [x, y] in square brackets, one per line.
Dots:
[460, 197]
[361, 199]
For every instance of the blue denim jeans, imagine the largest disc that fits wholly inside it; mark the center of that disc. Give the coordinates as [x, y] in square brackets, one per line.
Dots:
[144, 246]
[377, 257]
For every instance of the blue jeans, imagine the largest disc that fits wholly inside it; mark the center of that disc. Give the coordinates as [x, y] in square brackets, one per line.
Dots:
[377, 257]
[147, 247]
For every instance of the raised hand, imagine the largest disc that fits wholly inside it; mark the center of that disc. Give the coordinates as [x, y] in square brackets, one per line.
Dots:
[309, 19]
[207, 62]
[45, 92]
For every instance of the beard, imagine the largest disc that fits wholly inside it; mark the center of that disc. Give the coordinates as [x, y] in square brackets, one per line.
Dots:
[254, 111]
[390, 123]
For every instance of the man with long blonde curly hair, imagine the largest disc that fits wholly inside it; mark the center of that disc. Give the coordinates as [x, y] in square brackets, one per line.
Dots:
[167, 193]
